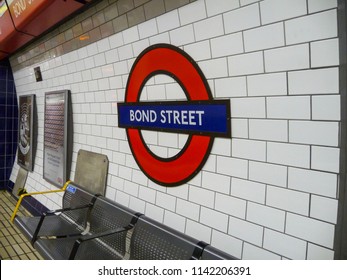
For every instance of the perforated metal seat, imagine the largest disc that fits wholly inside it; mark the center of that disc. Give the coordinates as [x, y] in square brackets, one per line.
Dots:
[71, 219]
[212, 253]
[154, 241]
[106, 239]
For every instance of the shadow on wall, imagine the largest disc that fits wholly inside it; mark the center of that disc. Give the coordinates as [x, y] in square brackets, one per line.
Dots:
[8, 124]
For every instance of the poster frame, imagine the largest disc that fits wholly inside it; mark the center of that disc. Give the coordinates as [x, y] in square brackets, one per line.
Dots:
[65, 95]
[28, 163]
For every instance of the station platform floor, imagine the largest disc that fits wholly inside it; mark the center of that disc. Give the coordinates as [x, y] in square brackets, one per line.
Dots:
[13, 244]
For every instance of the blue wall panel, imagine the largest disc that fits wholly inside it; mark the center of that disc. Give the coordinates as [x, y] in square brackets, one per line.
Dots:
[8, 123]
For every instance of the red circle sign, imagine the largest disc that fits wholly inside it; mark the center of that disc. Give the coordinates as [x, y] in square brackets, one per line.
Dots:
[172, 61]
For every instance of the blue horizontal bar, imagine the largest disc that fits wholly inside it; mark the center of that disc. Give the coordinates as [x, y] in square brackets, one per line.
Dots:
[212, 118]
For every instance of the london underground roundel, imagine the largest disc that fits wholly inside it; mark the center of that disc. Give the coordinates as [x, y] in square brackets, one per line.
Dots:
[199, 116]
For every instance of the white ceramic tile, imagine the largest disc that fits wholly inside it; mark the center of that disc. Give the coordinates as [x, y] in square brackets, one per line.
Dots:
[227, 45]
[324, 209]
[239, 128]
[131, 35]
[188, 209]
[168, 21]
[166, 201]
[103, 45]
[174, 221]
[233, 167]
[227, 243]
[268, 173]
[320, 81]
[325, 53]
[298, 107]
[265, 216]
[216, 182]
[312, 230]
[285, 245]
[265, 37]
[214, 219]
[314, 132]
[325, 159]
[289, 154]
[272, 130]
[279, 10]
[216, 68]
[312, 27]
[222, 7]
[320, 5]
[249, 149]
[288, 58]
[154, 212]
[201, 196]
[192, 13]
[148, 28]
[247, 231]
[182, 36]
[199, 51]
[325, 107]
[209, 28]
[288, 200]
[221, 146]
[251, 252]
[242, 19]
[316, 182]
[246, 64]
[231, 205]
[248, 190]
[248, 107]
[315, 252]
[198, 231]
[147, 194]
[267, 85]
[231, 87]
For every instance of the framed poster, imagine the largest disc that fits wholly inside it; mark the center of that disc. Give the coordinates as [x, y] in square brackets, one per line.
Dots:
[25, 131]
[55, 137]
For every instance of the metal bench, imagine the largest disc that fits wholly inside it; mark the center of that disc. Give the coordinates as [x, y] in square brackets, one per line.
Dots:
[70, 220]
[92, 227]
[109, 223]
[152, 240]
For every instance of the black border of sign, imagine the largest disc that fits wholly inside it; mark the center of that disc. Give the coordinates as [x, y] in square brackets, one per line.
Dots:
[225, 102]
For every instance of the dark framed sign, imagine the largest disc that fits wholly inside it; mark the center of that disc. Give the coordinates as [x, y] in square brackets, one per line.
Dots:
[55, 137]
[26, 131]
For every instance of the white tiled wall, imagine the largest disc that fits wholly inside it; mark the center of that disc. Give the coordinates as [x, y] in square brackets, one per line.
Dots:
[270, 192]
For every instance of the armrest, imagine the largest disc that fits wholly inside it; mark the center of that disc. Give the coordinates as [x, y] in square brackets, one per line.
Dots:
[34, 193]
[87, 238]
[52, 212]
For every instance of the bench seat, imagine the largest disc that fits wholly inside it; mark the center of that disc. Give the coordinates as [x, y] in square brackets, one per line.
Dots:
[92, 227]
[109, 223]
[152, 240]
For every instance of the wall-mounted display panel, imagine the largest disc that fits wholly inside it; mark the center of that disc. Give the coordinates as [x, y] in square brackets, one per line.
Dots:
[26, 131]
[55, 137]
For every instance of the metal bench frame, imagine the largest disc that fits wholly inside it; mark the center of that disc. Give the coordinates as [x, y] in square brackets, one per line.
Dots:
[72, 219]
[103, 231]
